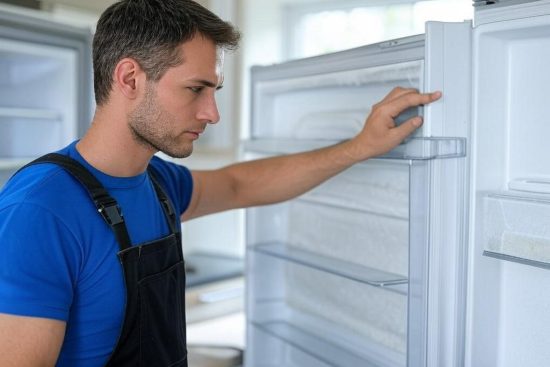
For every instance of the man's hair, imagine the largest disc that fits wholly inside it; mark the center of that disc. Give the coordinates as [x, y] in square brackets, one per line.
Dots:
[150, 31]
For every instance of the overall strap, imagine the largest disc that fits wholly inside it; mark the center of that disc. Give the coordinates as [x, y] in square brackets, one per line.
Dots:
[105, 204]
[167, 205]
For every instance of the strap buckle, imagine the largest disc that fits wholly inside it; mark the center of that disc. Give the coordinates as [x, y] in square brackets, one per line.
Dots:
[111, 212]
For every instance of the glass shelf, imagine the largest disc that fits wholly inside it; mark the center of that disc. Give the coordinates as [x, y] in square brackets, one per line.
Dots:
[520, 260]
[325, 351]
[373, 277]
[412, 149]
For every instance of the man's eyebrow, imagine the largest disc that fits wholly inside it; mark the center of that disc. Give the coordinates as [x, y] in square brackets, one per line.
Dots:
[207, 83]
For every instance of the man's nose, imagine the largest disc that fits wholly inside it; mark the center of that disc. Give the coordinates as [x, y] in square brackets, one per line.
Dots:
[209, 112]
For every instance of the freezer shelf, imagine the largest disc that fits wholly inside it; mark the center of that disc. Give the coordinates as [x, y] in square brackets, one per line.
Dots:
[349, 314]
[362, 274]
[302, 349]
[278, 352]
[412, 149]
[516, 228]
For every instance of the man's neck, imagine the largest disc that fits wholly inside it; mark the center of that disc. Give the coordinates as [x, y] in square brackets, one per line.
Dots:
[110, 147]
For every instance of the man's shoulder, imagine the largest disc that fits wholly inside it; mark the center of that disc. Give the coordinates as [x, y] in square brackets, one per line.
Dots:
[176, 180]
[169, 171]
[41, 184]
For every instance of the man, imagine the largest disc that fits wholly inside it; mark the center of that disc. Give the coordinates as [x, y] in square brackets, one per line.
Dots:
[91, 272]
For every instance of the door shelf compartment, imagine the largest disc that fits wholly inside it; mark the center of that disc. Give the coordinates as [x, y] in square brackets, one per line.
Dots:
[296, 347]
[362, 274]
[307, 291]
[412, 149]
[515, 228]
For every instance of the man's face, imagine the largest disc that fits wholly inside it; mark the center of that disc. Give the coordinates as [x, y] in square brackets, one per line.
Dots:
[175, 110]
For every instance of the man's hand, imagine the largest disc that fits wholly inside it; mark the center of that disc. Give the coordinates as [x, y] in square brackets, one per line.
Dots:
[380, 134]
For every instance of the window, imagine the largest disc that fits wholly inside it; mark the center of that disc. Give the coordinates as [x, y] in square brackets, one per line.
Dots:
[324, 27]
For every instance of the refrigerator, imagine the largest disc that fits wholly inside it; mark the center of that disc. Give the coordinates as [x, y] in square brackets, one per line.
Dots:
[436, 254]
[46, 89]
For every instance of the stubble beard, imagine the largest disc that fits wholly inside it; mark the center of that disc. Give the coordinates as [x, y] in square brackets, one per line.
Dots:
[148, 124]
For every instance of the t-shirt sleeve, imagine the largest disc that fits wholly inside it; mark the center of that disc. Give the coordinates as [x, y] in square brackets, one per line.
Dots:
[39, 260]
[176, 180]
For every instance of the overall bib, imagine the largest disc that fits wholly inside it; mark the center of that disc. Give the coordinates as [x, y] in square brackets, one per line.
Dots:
[153, 333]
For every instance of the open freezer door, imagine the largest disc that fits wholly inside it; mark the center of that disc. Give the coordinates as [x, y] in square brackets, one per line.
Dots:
[368, 268]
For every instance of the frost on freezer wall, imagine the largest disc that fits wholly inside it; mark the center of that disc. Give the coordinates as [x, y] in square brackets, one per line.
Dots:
[370, 240]
[370, 312]
[361, 216]
[377, 187]
[325, 106]
[320, 125]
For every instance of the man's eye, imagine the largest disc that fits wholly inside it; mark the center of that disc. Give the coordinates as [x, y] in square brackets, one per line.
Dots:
[196, 90]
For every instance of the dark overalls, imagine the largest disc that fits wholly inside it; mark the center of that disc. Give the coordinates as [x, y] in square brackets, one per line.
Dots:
[153, 333]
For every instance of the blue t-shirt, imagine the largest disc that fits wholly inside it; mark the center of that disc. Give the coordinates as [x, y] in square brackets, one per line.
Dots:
[58, 258]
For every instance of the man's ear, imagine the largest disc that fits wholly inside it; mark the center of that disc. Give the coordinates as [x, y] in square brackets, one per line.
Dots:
[129, 78]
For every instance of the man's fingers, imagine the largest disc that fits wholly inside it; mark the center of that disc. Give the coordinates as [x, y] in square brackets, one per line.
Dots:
[407, 128]
[396, 93]
[401, 103]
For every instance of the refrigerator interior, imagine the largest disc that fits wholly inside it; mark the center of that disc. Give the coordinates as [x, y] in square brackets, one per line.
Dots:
[510, 256]
[321, 287]
[38, 94]
[45, 89]
[339, 275]
[329, 106]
